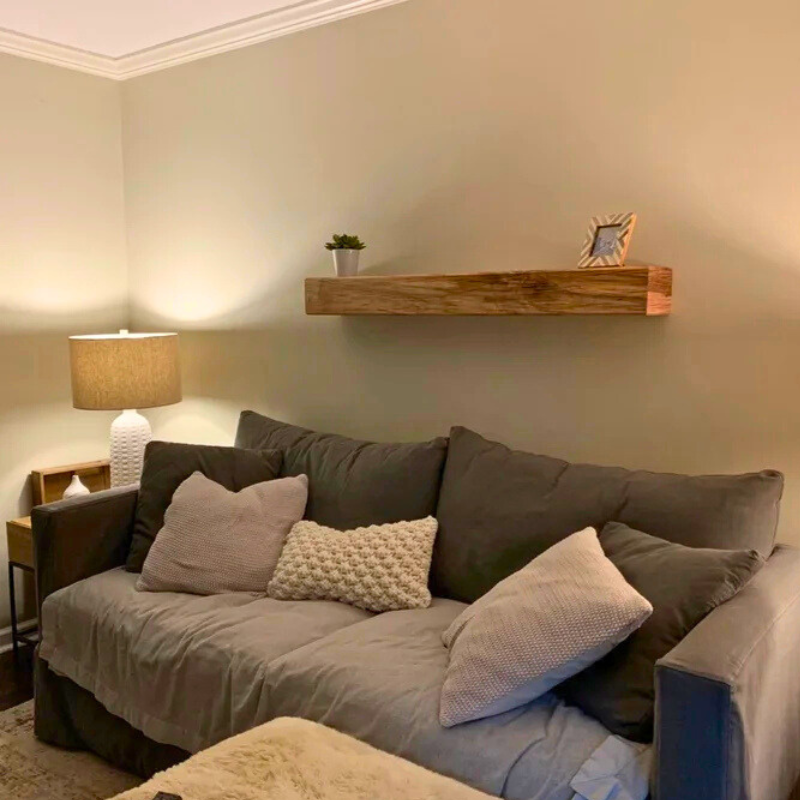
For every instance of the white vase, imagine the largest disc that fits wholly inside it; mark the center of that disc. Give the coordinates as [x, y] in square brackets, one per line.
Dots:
[345, 262]
[130, 433]
[75, 489]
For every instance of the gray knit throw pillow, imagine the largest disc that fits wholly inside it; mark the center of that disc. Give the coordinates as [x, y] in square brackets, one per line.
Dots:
[216, 541]
[565, 610]
[379, 568]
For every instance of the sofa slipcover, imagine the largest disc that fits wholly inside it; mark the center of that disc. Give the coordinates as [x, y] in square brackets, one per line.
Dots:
[191, 671]
[380, 681]
[499, 508]
[729, 692]
[352, 484]
[728, 696]
[185, 670]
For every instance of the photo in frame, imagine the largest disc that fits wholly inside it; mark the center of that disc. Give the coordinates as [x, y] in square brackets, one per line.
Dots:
[607, 240]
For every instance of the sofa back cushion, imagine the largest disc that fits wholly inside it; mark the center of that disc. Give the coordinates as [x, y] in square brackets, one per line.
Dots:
[683, 584]
[499, 508]
[352, 484]
[562, 612]
[215, 541]
[168, 464]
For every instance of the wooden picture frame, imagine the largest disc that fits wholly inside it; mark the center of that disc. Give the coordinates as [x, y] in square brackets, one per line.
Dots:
[607, 240]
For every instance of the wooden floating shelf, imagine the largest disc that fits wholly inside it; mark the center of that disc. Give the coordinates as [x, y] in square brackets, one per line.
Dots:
[643, 291]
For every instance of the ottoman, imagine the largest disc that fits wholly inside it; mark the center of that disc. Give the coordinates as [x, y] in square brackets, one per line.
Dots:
[293, 759]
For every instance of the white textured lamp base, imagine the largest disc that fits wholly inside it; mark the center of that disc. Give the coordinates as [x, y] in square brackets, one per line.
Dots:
[130, 433]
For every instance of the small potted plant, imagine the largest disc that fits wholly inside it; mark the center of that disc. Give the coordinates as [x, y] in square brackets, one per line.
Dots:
[345, 249]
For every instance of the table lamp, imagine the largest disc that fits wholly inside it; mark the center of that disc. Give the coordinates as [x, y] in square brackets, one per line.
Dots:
[125, 371]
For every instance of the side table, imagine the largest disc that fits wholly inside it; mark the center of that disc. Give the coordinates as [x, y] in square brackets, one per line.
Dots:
[20, 556]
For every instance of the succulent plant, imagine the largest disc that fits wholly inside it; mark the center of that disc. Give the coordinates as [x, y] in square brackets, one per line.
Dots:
[343, 241]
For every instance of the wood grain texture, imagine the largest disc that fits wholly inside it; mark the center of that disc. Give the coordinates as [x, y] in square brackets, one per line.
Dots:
[48, 485]
[20, 541]
[644, 291]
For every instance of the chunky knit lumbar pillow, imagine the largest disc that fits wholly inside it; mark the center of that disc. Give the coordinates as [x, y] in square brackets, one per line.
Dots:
[565, 610]
[379, 568]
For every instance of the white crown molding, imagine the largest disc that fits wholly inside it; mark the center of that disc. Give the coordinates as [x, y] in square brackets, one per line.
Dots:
[298, 17]
[17, 44]
[302, 15]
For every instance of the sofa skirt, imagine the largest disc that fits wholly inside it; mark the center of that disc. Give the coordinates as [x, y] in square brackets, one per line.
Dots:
[68, 716]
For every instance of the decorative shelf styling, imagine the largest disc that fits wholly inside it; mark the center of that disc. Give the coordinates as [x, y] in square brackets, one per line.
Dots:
[643, 291]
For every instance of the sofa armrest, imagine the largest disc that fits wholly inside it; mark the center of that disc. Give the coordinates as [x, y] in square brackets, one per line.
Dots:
[728, 696]
[75, 539]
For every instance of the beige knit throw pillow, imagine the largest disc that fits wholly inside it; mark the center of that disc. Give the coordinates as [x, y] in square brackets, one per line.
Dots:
[379, 568]
[562, 612]
[216, 541]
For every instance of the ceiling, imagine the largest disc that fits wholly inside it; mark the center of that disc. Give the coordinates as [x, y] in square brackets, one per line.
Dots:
[120, 27]
[124, 38]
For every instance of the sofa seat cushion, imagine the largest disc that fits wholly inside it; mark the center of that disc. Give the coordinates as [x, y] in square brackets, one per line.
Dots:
[499, 508]
[380, 681]
[352, 484]
[185, 670]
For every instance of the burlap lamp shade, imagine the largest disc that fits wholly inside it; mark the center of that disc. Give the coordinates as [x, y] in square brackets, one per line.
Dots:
[125, 372]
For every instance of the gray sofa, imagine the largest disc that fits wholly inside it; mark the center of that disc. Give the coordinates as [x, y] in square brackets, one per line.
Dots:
[145, 679]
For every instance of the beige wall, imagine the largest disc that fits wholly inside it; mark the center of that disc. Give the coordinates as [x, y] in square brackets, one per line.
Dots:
[466, 135]
[62, 265]
[452, 135]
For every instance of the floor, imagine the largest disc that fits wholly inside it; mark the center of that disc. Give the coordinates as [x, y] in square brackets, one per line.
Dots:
[16, 678]
[32, 770]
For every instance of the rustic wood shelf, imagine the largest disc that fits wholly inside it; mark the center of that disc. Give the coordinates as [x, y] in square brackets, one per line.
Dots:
[646, 291]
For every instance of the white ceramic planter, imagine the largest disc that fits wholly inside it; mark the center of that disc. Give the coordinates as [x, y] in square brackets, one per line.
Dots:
[345, 262]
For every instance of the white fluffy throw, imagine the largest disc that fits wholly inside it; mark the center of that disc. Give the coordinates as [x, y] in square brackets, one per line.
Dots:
[292, 759]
